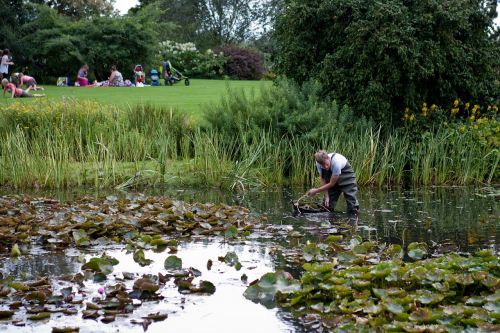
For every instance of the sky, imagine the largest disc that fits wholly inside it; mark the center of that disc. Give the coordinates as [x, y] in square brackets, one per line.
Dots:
[124, 5]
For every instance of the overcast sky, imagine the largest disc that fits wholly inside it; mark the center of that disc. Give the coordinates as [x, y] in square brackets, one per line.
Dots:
[124, 5]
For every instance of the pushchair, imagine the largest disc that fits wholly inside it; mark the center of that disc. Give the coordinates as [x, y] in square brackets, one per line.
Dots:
[155, 78]
[172, 75]
[139, 76]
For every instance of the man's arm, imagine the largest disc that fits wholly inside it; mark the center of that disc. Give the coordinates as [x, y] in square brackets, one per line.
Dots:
[324, 186]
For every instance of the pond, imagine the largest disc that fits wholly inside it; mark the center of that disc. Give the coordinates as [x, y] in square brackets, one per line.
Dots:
[459, 219]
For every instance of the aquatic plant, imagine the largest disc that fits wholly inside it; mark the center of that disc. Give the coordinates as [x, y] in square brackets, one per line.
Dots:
[361, 286]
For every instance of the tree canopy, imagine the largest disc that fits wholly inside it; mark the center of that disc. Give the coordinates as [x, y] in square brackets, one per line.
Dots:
[382, 56]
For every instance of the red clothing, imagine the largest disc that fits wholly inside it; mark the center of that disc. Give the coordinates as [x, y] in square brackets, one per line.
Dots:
[12, 87]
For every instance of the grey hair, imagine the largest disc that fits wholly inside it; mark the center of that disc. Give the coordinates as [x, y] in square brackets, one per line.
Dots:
[320, 156]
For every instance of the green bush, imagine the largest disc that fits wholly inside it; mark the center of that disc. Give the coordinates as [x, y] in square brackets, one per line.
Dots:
[382, 56]
[189, 60]
[290, 110]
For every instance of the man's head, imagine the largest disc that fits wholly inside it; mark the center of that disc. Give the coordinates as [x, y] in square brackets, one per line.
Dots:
[323, 159]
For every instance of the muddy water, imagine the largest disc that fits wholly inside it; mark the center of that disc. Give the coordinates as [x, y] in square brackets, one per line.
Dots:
[448, 219]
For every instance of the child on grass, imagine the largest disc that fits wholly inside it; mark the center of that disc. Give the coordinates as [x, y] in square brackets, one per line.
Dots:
[29, 82]
[17, 92]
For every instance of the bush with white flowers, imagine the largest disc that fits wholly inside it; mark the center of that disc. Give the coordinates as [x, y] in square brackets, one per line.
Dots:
[190, 61]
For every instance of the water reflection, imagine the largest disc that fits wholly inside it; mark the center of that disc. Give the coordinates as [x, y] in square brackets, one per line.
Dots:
[224, 311]
[461, 219]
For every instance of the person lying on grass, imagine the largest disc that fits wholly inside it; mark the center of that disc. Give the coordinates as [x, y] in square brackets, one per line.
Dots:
[17, 92]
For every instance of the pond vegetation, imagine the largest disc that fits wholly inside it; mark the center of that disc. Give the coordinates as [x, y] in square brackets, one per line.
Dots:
[127, 261]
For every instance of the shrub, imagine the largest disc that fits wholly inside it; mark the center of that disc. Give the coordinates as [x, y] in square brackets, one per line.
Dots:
[479, 123]
[189, 60]
[244, 64]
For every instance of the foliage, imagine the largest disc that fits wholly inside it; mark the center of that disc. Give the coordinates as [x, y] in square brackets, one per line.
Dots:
[289, 110]
[210, 23]
[241, 63]
[78, 9]
[480, 124]
[55, 46]
[187, 58]
[380, 57]
[357, 286]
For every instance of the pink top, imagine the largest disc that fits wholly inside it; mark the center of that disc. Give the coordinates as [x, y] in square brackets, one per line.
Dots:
[26, 78]
[12, 87]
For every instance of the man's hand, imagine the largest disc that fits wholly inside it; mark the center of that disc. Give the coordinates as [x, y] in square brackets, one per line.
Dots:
[312, 192]
[326, 201]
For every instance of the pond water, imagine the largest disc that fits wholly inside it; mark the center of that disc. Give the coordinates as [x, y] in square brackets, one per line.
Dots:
[447, 219]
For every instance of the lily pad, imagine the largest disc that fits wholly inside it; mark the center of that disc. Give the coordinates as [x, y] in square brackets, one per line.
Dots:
[173, 263]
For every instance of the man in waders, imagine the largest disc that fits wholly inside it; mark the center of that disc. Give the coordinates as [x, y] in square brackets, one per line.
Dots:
[337, 176]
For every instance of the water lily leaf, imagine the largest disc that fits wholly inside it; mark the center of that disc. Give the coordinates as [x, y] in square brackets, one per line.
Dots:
[428, 297]
[205, 225]
[65, 329]
[347, 257]
[6, 314]
[493, 307]
[421, 315]
[237, 266]
[269, 284]
[159, 242]
[318, 267]
[393, 252]
[204, 287]
[81, 238]
[173, 263]
[146, 284]
[18, 286]
[140, 258]
[40, 316]
[156, 316]
[104, 264]
[383, 269]
[231, 258]
[394, 307]
[15, 252]
[475, 300]
[311, 251]
[231, 232]
[417, 251]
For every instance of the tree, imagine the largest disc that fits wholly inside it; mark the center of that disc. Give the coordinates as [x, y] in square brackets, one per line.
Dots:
[210, 23]
[382, 56]
[77, 9]
[56, 46]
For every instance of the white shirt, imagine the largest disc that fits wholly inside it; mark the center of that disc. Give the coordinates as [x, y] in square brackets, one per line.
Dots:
[337, 163]
[4, 67]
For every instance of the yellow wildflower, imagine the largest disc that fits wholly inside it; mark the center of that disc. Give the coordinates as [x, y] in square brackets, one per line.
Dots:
[474, 109]
[455, 103]
[454, 111]
[461, 129]
[467, 106]
[412, 117]
[471, 118]
[433, 107]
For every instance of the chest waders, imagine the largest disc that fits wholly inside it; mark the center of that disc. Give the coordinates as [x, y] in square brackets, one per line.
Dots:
[345, 184]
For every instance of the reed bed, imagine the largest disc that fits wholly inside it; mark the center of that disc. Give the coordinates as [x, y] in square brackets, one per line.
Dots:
[70, 143]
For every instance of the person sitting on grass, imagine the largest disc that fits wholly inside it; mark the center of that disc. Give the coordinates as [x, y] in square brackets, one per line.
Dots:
[81, 78]
[29, 82]
[17, 92]
[116, 78]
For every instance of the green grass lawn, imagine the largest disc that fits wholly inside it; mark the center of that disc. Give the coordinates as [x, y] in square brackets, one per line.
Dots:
[189, 99]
